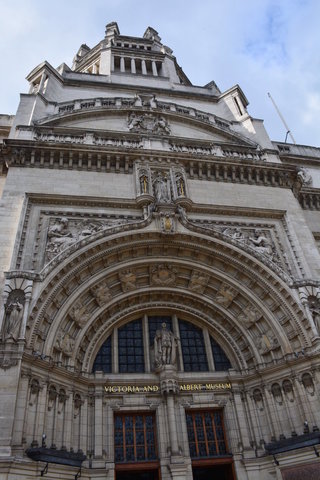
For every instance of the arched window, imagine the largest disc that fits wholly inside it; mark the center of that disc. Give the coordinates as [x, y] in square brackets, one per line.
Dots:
[193, 348]
[130, 349]
[103, 360]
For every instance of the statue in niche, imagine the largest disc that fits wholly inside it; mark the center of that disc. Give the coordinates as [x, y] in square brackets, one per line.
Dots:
[160, 186]
[165, 347]
[181, 188]
[13, 316]
[261, 243]
[314, 306]
[144, 184]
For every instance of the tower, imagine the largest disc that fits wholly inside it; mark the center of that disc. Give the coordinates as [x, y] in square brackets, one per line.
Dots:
[160, 285]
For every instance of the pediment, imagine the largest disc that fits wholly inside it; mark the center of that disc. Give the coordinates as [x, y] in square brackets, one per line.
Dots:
[146, 122]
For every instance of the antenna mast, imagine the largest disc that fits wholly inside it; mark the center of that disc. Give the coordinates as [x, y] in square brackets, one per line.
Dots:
[283, 120]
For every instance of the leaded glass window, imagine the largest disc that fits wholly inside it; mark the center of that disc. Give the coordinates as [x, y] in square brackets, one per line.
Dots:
[206, 434]
[103, 360]
[135, 438]
[221, 361]
[130, 348]
[193, 348]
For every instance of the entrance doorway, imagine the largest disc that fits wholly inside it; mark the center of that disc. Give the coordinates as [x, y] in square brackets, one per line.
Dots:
[138, 475]
[216, 472]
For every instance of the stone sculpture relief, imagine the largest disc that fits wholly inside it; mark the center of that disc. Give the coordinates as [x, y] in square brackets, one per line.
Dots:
[128, 280]
[249, 316]
[167, 222]
[65, 343]
[198, 282]
[148, 123]
[261, 243]
[101, 294]
[267, 342]
[13, 315]
[163, 275]
[64, 232]
[305, 177]
[165, 347]
[180, 184]
[80, 314]
[225, 295]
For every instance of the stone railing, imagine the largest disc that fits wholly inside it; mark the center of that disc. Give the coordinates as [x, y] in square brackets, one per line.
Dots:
[135, 102]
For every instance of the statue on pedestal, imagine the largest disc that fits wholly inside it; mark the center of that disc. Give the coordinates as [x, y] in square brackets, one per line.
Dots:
[165, 347]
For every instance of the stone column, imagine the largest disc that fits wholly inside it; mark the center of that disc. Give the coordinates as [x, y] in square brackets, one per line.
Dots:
[242, 421]
[154, 68]
[112, 63]
[83, 430]
[122, 65]
[133, 65]
[68, 420]
[21, 409]
[41, 413]
[169, 388]
[143, 67]
[98, 421]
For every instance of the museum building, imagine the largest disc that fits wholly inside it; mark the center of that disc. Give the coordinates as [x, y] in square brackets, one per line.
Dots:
[160, 289]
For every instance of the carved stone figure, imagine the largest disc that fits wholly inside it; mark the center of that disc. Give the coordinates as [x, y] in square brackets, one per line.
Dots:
[80, 314]
[181, 188]
[305, 177]
[59, 237]
[165, 347]
[249, 316]
[134, 121]
[267, 342]
[261, 243]
[225, 295]
[198, 282]
[128, 280]
[144, 184]
[101, 293]
[163, 275]
[160, 186]
[13, 315]
[65, 343]
[148, 123]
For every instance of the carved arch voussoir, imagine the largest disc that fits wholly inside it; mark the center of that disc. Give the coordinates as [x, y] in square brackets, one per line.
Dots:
[106, 261]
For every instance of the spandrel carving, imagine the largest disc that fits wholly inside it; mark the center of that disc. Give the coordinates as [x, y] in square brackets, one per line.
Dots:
[148, 123]
[261, 243]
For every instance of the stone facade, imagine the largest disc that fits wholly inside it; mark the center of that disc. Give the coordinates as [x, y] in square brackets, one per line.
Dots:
[159, 261]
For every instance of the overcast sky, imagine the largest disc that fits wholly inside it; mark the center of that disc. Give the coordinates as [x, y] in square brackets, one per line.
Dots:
[262, 45]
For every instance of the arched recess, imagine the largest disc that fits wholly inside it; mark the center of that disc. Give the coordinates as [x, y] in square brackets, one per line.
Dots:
[246, 306]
